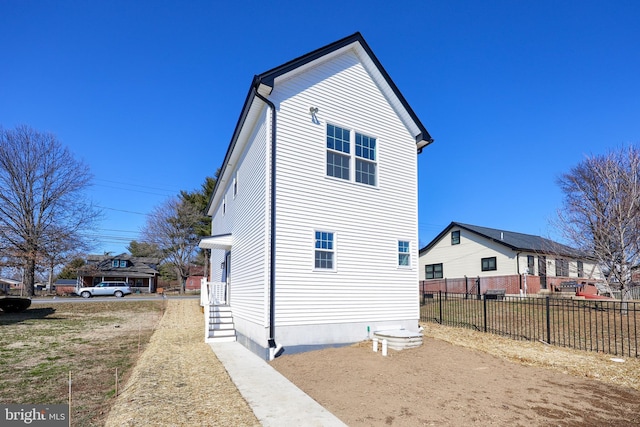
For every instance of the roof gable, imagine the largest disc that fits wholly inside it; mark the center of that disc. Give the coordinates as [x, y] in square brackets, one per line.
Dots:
[264, 83]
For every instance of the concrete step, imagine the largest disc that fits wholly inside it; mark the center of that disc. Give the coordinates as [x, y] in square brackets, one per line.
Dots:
[222, 333]
[220, 339]
[221, 326]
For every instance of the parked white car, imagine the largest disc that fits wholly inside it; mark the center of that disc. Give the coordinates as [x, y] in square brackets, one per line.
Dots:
[117, 289]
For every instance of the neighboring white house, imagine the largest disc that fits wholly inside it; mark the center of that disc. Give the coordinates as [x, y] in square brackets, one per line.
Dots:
[467, 250]
[315, 213]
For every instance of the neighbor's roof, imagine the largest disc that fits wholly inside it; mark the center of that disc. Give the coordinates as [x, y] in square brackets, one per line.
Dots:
[264, 83]
[513, 240]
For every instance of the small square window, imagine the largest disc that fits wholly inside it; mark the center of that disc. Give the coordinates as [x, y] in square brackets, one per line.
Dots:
[123, 263]
[455, 237]
[489, 264]
[115, 263]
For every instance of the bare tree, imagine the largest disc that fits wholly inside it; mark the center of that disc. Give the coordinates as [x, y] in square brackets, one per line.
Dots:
[172, 228]
[41, 197]
[601, 211]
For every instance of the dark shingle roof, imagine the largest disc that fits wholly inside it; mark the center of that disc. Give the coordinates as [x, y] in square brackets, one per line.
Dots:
[516, 241]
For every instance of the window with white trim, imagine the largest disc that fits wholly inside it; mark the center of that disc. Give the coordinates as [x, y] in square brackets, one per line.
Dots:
[324, 251]
[338, 152]
[235, 184]
[404, 255]
[340, 156]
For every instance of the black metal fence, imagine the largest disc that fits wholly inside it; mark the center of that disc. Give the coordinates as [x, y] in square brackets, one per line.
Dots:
[605, 326]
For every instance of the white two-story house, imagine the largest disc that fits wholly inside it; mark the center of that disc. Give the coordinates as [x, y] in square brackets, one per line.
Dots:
[315, 212]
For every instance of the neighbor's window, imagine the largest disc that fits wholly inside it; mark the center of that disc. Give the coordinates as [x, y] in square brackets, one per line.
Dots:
[455, 237]
[365, 159]
[433, 271]
[580, 269]
[115, 263]
[123, 263]
[531, 264]
[338, 152]
[339, 155]
[489, 264]
[562, 268]
[403, 254]
[324, 250]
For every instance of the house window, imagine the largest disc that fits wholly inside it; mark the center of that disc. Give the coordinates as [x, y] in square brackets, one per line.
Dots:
[324, 250]
[580, 269]
[404, 256]
[123, 263]
[338, 152]
[531, 263]
[562, 268]
[489, 264]
[365, 159]
[235, 184]
[339, 156]
[455, 237]
[115, 263]
[433, 271]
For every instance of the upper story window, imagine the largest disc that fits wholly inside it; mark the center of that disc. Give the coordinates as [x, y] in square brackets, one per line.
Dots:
[116, 263]
[341, 158]
[365, 159]
[338, 152]
[324, 253]
[489, 264]
[455, 237]
[404, 255]
[433, 271]
[235, 184]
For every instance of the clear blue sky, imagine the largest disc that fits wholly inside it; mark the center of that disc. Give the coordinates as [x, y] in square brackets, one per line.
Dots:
[148, 92]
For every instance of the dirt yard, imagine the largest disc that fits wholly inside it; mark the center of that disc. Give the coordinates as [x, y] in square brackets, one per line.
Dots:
[482, 380]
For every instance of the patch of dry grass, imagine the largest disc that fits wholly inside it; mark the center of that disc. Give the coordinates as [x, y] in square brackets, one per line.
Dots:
[178, 380]
[90, 340]
[574, 362]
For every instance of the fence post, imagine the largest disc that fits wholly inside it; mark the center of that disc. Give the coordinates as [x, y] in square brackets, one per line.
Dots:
[466, 287]
[478, 287]
[484, 307]
[548, 320]
[440, 305]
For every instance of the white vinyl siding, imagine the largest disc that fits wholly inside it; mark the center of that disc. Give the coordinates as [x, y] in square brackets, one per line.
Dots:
[368, 285]
[246, 220]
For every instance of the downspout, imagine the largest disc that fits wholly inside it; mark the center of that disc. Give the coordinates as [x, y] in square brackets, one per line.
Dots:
[274, 349]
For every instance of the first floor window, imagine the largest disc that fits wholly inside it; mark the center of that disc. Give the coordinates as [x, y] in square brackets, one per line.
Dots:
[403, 254]
[433, 271]
[562, 268]
[531, 264]
[489, 264]
[580, 269]
[324, 250]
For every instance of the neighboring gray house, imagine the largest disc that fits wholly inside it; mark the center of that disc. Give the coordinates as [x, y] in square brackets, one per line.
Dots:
[140, 272]
[315, 213]
[468, 250]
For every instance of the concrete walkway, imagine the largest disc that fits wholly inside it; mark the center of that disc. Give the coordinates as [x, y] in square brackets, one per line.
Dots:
[274, 399]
